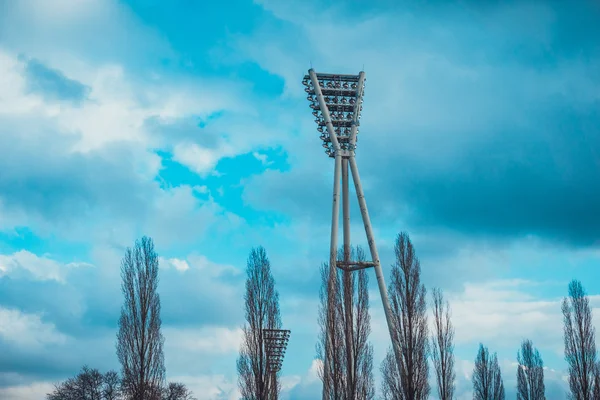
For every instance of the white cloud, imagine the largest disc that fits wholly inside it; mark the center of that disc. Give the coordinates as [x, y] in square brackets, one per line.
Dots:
[179, 265]
[28, 330]
[41, 268]
[36, 390]
[207, 340]
[490, 311]
[198, 159]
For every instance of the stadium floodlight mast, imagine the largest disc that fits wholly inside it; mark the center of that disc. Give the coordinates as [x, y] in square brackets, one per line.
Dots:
[336, 101]
[275, 342]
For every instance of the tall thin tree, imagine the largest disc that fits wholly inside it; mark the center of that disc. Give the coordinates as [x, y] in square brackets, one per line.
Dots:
[262, 312]
[487, 378]
[596, 392]
[442, 347]
[580, 346]
[530, 373]
[344, 310]
[139, 339]
[409, 307]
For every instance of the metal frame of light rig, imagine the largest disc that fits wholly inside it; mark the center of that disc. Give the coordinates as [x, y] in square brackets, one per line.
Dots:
[276, 341]
[336, 101]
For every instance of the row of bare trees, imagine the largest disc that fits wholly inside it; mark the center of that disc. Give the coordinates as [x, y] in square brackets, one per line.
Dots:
[345, 321]
[139, 341]
[409, 306]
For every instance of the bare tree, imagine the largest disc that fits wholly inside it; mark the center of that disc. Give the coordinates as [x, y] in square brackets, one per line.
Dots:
[596, 393]
[487, 378]
[331, 322]
[344, 310]
[112, 386]
[579, 337]
[530, 373]
[409, 307]
[391, 386]
[139, 340]
[89, 384]
[442, 346]
[177, 391]
[262, 312]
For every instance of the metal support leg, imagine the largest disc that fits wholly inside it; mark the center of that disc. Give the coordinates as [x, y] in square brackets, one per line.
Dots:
[375, 257]
[335, 216]
[348, 287]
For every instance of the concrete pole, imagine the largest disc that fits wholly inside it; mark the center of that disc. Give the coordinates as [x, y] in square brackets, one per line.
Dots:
[335, 216]
[375, 257]
[348, 294]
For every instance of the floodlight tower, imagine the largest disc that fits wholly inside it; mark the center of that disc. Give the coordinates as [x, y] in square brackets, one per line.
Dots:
[336, 101]
[276, 341]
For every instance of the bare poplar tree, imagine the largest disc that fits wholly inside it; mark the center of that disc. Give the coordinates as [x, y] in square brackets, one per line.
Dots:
[139, 340]
[344, 307]
[262, 312]
[391, 386]
[487, 378]
[442, 346]
[331, 322]
[596, 393]
[580, 346]
[409, 307]
[530, 373]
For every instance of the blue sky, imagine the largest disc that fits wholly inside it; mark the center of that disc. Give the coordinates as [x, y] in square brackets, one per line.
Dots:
[187, 121]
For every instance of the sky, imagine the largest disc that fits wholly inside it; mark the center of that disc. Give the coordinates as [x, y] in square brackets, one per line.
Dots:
[187, 121]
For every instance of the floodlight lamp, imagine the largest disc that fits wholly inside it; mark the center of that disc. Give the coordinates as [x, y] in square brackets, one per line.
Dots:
[320, 129]
[305, 82]
[315, 113]
[308, 90]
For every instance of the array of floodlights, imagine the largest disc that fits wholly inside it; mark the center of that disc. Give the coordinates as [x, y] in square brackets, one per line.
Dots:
[340, 94]
[276, 341]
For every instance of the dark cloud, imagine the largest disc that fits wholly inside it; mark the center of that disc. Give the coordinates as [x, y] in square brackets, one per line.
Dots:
[53, 84]
[474, 125]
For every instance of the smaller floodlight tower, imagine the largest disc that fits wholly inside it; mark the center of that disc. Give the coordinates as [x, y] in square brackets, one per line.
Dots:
[276, 341]
[336, 102]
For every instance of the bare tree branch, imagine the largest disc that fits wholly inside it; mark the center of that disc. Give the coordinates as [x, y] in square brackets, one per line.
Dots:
[262, 312]
[89, 384]
[344, 306]
[177, 391]
[580, 346]
[442, 346]
[487, 378]
[139, 340]
[530, 373]
[409, 307]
